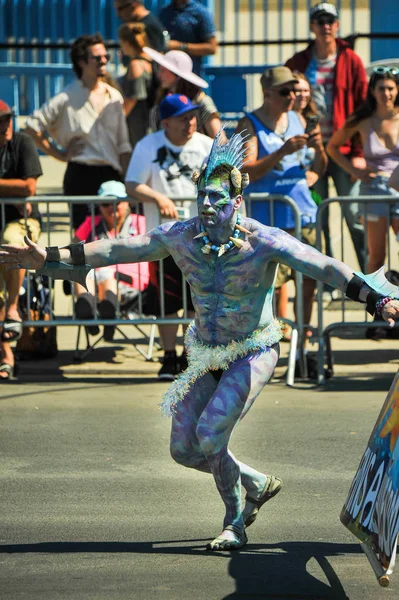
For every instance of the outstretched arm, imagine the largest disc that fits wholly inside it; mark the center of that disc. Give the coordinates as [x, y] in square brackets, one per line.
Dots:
[142, 248]
[289, 251]
[309, 261]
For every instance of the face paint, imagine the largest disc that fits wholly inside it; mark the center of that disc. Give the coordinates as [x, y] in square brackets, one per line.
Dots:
[215, 205]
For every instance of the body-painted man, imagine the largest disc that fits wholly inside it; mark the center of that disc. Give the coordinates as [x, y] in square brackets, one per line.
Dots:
[230, 264]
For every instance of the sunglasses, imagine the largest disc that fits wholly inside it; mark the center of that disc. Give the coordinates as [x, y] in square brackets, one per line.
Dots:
[98, 57]
[325, 20]
[382, 70]
[285, 91]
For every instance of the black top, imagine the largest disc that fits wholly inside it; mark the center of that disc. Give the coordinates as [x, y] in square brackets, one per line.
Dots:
[155, 32]
[19, 160]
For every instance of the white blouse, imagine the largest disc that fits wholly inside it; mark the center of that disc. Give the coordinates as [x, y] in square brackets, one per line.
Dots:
[71, 115]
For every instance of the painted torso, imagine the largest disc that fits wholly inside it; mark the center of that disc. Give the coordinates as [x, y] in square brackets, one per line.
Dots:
[232, 294]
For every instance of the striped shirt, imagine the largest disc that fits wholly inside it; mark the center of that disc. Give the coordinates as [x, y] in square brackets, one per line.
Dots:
[325, 76]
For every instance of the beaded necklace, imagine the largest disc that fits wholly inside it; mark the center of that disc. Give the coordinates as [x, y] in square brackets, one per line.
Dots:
[220, 250]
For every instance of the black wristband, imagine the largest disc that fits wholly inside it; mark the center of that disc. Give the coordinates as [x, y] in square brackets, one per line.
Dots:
[354, 287]
[353, 291]
[53, 254]
[372, 299]
[77, 254]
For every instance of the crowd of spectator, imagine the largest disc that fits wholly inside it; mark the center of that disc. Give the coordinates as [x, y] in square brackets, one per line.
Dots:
[151, 128]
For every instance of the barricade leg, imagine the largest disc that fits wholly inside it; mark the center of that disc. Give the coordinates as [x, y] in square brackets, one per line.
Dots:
[292, 357]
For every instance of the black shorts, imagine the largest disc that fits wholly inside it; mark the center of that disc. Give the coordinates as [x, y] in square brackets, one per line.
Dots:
[173, 289]
[85, 180]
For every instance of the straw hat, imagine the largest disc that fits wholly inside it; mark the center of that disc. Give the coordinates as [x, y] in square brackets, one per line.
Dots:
[179, 63]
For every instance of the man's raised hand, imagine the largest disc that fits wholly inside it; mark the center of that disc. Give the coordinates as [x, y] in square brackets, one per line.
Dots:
[30, 256]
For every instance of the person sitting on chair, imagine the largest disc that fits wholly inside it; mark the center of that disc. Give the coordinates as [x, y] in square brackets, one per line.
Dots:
[115, 220]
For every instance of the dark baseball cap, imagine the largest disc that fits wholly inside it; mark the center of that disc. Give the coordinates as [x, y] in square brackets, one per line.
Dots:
[323, 8]
[174, 105]
[277, 76]
[4, 109]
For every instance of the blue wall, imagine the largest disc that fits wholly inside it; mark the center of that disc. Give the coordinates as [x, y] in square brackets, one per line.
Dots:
[62, 19]
[384, 19]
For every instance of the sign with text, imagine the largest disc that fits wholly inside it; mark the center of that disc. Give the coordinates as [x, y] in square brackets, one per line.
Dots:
[371, 510]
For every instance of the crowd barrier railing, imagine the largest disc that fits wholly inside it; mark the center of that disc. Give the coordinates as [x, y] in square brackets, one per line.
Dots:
[325, 357]
[55, 233]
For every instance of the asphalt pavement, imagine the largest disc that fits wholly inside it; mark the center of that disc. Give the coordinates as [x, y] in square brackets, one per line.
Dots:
[93, 507]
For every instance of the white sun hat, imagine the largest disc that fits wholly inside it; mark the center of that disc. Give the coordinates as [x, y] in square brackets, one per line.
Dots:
[179, 63]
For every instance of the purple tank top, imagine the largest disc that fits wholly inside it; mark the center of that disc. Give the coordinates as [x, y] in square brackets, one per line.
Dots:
[378, 156]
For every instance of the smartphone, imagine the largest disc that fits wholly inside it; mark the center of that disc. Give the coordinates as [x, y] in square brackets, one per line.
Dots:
[311, 123]
[183, 213]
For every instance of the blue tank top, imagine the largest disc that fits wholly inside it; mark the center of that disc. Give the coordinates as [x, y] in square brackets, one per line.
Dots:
[287, 178]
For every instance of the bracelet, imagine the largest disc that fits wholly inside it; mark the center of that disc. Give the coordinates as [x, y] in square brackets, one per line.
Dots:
[183, 47]
[381, 303]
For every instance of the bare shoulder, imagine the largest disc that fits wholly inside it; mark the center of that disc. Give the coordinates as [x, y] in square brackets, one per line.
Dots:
[245, 123]
[262, 235]
[184, 230]
[136, 69]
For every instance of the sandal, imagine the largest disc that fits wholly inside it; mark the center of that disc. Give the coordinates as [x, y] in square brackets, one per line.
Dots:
[221, 543]
[7, 368]
[14, 330]
[272, 487]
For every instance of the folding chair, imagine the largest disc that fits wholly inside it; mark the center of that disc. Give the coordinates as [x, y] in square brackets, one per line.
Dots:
[129, 305]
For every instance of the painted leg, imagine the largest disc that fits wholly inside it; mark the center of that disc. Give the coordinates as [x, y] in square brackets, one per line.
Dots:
[235, 394]
[185, 448]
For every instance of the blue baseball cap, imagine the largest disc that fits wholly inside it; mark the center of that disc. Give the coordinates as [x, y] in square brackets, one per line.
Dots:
[112, 188]
[174, 105]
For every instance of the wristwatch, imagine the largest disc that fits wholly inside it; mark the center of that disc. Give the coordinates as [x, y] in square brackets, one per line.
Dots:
[183, 47]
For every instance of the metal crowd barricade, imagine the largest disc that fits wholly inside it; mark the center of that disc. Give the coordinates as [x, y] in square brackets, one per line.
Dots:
[50, 228]
[297, 336]
[325, 333]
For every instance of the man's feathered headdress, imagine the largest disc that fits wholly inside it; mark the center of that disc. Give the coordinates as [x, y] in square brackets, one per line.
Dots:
[230, 153]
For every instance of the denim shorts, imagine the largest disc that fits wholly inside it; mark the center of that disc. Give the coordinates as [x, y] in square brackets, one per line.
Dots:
[378, 187]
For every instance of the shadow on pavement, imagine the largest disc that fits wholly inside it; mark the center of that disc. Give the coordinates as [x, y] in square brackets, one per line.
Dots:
[281, 571]
[359, 383]
[260, 571]
[376, 355]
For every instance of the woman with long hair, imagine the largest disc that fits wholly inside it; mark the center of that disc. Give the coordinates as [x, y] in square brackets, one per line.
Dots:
[304, 103]
[138, 84]
[305, 106]
[175, 74]
[377, 123]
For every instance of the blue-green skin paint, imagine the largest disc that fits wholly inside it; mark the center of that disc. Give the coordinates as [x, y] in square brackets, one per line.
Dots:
[232, 296]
